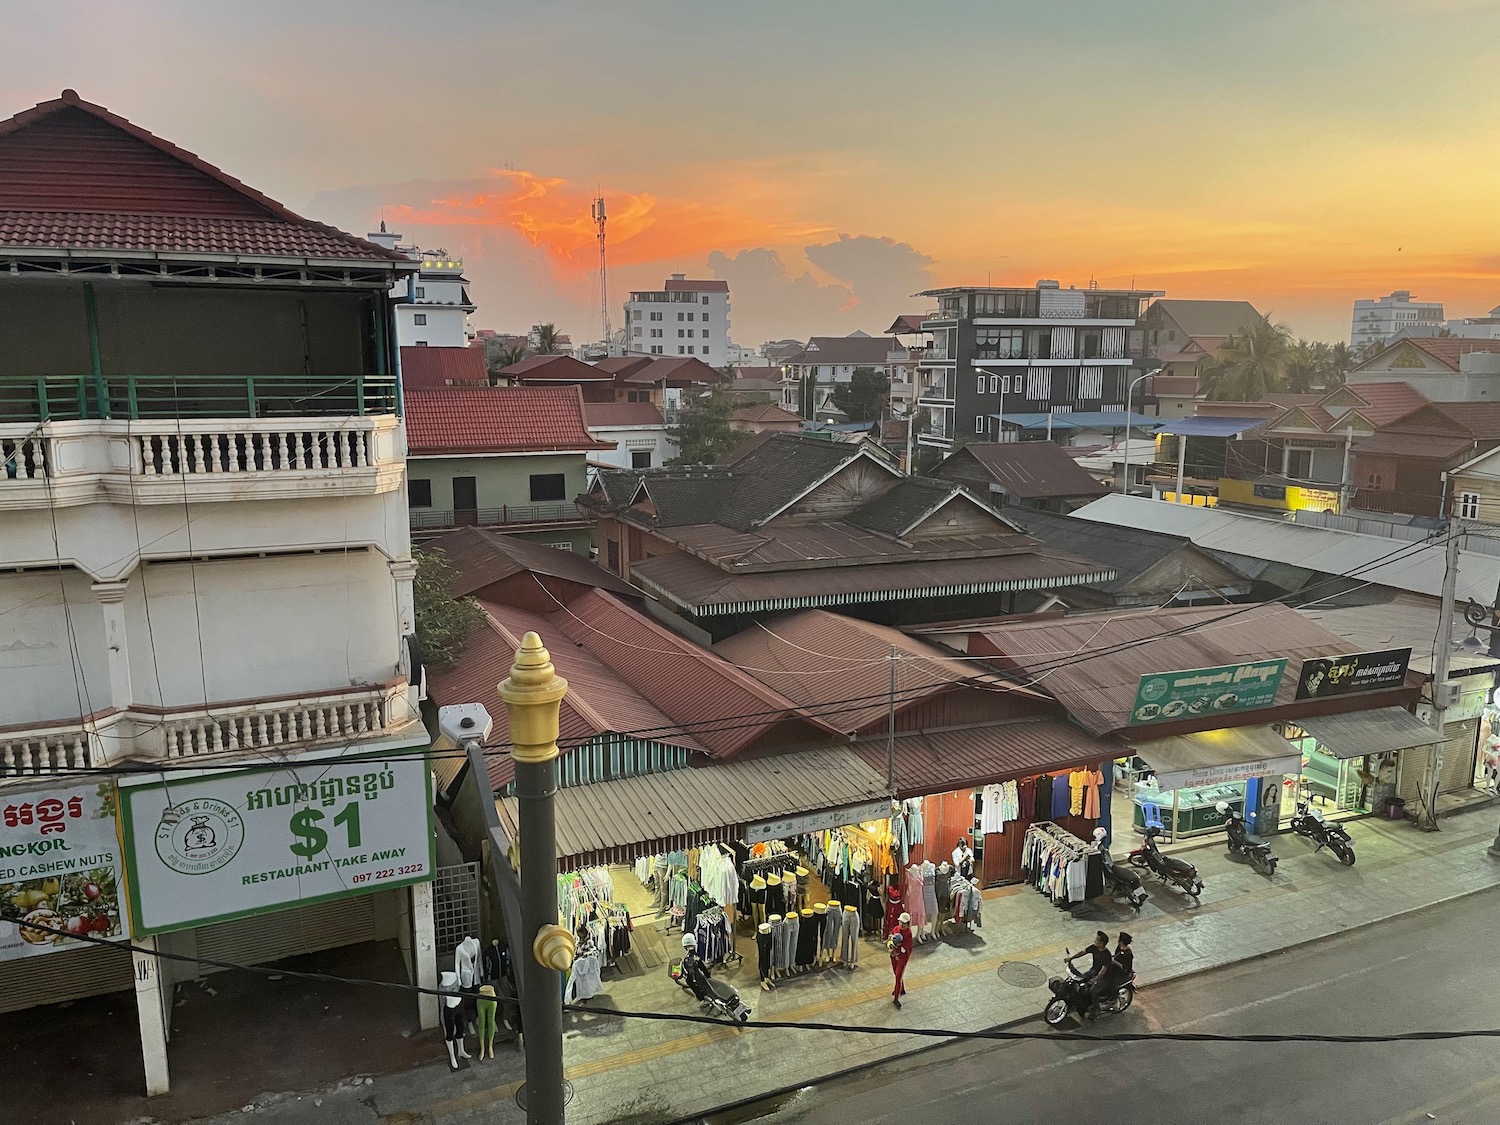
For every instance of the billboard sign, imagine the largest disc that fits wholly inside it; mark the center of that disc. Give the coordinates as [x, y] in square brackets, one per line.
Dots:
[1359, 671]
[59, 867]
[1162, 697]
[225, 844]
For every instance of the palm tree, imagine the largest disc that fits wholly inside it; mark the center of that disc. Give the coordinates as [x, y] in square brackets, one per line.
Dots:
[546, 339]
[1251, 364]
[504, 358]
[1304, 362]
[1336, 361]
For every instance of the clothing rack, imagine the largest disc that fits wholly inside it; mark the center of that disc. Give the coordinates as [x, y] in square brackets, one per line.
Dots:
[1060, 865]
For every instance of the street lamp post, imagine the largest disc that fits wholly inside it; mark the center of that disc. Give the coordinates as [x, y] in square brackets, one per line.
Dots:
[1129, 395]
[532, 694]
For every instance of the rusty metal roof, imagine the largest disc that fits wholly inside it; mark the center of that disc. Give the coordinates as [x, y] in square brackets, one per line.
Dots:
[481, 558]
[613, 821]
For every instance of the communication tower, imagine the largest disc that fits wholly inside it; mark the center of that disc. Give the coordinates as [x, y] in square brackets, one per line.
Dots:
[598, 214]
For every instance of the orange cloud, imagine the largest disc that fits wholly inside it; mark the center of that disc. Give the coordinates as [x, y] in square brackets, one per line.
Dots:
[553, 214]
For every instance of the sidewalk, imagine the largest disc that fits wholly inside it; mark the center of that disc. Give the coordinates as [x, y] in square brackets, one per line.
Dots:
[640, 1072]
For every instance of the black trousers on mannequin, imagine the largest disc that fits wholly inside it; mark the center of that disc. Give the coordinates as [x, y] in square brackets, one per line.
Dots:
[763, 953]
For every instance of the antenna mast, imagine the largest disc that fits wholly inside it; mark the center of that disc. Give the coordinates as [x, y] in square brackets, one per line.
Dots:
[598, 214]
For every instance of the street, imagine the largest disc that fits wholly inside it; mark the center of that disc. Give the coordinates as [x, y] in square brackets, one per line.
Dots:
[1426, 971]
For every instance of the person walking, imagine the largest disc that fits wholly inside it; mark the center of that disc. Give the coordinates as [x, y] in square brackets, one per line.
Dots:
[899, 942]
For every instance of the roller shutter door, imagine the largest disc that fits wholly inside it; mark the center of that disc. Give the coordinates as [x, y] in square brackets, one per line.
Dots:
[286, 933]
[67, 975]
[1458, 761]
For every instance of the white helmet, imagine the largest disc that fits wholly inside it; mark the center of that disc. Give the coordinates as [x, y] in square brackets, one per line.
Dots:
[1099, 835]
[689, 942]
[1223, 807]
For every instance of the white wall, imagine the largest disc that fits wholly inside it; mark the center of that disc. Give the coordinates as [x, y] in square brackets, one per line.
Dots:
[628, 439]
[37, 654]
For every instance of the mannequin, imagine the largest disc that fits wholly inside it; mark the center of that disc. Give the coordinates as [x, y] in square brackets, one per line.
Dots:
[487, 1005]
[849, 937]
[929, 899]
[775, 897]
[803, 878]
[763, 942]
[493, 964]
[833, 927]
[916, 901]
[757, 898]
[808, 929]
[944, 885]
[466, 965]
[453, 1020]
[820, 925]
[793, 935]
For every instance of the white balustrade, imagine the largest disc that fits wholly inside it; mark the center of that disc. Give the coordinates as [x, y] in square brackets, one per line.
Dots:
[272, 726]
[41, 752]
[23, 455]
[255, 447]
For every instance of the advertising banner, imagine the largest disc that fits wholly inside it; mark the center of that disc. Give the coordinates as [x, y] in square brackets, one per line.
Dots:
[1360, 671]
[59, 867]
[226, 844]
[1161, 697]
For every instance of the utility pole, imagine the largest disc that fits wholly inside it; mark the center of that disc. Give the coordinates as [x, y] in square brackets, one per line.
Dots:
[890, 732]
[532, 694]
[1444, 647]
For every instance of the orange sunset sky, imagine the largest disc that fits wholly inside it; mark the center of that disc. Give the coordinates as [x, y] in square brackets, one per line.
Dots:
[830, 158]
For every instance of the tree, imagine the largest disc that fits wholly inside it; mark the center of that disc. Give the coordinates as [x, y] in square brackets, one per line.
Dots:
[863, 396]
[703, 432]
[547, 339]
[504, 358]
[1304, 366]
[1251, 364]
[1336, 360]
[443, 621]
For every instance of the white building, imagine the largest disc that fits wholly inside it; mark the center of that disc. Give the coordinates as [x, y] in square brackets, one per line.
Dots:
[432, 305]
[682, 318]
[1477, 327]
[203, 572]
[1382, 319]
[638, 430]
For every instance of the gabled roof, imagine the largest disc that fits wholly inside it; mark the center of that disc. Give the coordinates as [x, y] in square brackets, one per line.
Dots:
[765, 412]
[428, 368]
[1031, 470]
[912, 502]
[1131, 552]
[555, 368]
[907, 324]
[674, 371]
[458, 420]
[480, 558]
[1446, 350]
[604, 415]
[619, 365]
[1385, 402]
[75, 176]
[677, 498]
[859, 350]
[779, 472]
[1208, 318]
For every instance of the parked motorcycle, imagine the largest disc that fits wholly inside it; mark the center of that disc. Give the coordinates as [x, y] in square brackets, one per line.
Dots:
[1243, 843]
[715, 995]
[1309, 822]
[1169, 869]
[1072, 994]
[1121, 881]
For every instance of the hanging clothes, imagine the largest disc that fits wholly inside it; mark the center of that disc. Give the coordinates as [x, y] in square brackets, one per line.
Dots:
[808, 932]
[1042, 805]
[992, 813]
[583, 979]
[1076, 781]
[1093, 780]
[1061, 796]
[915, 900]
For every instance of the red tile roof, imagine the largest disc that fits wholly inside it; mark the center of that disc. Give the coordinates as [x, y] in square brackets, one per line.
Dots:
[678, 371]
[1447, 349]
[676, 286]
[458, 420]
[557, 369]
[74, 175]
[1385, 402]
[423, 368]
[604, 414]
[907, 324]
[621, 365]
[1482, 419]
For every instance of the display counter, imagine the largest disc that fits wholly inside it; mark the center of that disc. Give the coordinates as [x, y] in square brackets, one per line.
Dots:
[1186, 812]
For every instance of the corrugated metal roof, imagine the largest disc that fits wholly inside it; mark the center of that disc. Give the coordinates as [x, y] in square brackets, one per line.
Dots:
[943, 761]
[635, 812]
[1028, 469]
[482, 557]
[1370, 732]
[1210, 749]
[1401, 624]
[1417, 567]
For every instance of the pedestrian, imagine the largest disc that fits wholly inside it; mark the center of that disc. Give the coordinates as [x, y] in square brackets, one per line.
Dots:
[899, 942]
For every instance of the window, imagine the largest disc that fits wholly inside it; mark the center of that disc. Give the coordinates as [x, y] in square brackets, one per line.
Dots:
[1468, 505]
[612, 554]
[690, 349]
[680, 333]
[680, 316]
[656, 332]
[680, 349]
[640, 459]
[419, 318]
[690, 316]
[421, 291]
[548, 486]
[980, 388]
[637, 315]
[1171, 334]
[636, 331]
[561, 545]
[690, 333]
[656, 349]
[1299, 464]
[656, 316]
[421, 343]
[994, 383]
[705, 300]
[979, 423]
[704, 333]
[419, 493]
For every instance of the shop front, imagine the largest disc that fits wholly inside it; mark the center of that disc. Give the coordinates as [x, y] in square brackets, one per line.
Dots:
[1193, 773]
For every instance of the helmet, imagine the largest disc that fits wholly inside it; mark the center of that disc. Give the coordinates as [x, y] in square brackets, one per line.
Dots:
[689, 942]
[1099, 834]
[1223, 807]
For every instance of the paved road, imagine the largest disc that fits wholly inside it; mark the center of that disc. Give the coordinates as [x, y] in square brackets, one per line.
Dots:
[1432, 970]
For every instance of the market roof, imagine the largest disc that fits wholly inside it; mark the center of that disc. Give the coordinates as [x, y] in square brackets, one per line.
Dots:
[1381, 731]
[458, 420]
[429, 368]
[1081, 420]
[607, 415]
[616, 821]
[1406, 622]
[480, 557]
[80, 178]
[1228, 754]
[1030, 470]
[1210, 426]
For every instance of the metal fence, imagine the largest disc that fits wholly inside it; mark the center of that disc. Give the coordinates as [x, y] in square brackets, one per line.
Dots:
[455, 906]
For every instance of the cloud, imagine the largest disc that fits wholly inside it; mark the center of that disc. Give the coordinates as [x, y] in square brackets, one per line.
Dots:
[882, 272]
[770, 302]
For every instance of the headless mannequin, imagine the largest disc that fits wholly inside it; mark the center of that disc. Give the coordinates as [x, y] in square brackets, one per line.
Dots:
[912, 880]
[929, 899]
[453, 1020]
[777, 931]
[487, 1005]
[466, 965]
[803, 876]
[807, 920]
[849, 938]
[763, 954]
[775, 898]
[833, 925]
[820, 920]
[757, 899]
[945, 895]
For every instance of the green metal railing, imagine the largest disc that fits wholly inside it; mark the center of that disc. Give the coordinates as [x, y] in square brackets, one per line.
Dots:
[39, 398]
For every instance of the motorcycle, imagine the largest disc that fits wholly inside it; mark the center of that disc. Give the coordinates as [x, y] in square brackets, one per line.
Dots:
[1175, 872]
[1121, 881]
[1072, 994]
[715, 995]
[1243, 843]
[1309, 823]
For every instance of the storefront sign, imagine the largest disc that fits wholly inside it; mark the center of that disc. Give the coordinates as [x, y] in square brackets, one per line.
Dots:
[1218, 775]
[797, 824]
[226, 844]
[1164, 696]
[59, 868]
[1360, 671]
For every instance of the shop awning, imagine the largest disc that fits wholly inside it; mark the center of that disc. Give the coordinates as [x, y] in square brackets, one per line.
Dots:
[1214, 756]
[1370, 732]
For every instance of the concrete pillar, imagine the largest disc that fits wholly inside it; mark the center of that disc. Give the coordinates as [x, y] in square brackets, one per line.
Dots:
[403, 571]
[424, 952]
[153, 1003]
[111, 598]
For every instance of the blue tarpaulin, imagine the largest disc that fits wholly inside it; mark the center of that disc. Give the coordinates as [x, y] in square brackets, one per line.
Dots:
[1081, 420]
[1210, 427]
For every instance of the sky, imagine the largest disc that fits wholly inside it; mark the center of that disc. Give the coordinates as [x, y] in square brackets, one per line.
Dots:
[830, 158]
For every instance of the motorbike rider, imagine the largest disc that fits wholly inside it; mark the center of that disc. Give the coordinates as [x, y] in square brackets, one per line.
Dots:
[694, 971]
[1099, 951]
[1119, 972]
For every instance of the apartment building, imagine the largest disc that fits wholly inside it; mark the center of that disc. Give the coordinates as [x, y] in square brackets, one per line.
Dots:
[683, 317]
[1382, 319]
[1025, 351]
[431, 305]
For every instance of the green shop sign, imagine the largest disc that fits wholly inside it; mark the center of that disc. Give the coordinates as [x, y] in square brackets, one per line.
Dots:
[1161, 697]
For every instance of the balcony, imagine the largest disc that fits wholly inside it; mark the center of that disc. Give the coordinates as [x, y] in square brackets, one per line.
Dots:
[205, 460]
[561, 514]
[254, 727]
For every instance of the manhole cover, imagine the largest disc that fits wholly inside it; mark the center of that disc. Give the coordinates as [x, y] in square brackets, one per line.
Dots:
[1023, 974]
[521, 1094]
